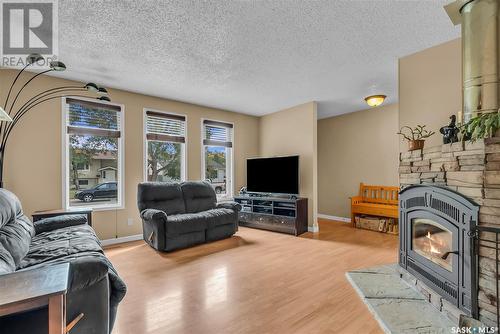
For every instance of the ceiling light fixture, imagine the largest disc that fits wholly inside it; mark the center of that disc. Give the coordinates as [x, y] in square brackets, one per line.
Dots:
[57, 66]
[102, 91]
[92, 87]
[104, 98]
[4, 116]
[375, 100]
[33, 58]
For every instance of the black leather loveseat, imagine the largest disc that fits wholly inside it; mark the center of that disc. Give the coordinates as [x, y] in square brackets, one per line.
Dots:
[179, 215]
[94, 286]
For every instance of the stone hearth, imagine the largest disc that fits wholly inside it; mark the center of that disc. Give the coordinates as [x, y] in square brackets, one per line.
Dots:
[473, 170]
[393, 302]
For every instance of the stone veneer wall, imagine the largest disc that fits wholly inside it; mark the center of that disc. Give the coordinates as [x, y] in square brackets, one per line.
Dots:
[472, 169]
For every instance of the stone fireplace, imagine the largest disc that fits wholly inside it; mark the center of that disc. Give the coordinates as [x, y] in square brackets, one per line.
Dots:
[446, 191]
[449, 223]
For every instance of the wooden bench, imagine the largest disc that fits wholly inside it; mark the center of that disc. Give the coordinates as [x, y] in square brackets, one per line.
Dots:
[379, 201]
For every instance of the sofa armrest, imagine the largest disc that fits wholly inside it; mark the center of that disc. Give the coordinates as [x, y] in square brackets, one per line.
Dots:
[154, 227]
[229, 205]
[85, 272]
[54, 223]
[153, 214]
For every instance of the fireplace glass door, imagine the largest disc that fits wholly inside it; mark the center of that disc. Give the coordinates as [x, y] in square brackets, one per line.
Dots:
[432, 241]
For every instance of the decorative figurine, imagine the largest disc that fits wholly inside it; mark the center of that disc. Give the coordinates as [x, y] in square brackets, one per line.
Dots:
[450, 132]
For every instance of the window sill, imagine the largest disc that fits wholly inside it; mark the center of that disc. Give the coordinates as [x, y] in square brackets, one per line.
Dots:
[96, 208]
[224, 198]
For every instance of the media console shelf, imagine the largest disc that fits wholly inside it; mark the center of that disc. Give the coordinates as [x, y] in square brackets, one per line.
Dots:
[273, 213]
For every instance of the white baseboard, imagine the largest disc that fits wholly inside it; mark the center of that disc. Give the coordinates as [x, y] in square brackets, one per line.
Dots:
[120, 240]
[339, 219]
[314, 228]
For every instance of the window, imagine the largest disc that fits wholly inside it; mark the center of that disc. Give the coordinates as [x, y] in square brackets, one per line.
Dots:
[82, 166]
[217, 156]
[93, 153]
[165, 146]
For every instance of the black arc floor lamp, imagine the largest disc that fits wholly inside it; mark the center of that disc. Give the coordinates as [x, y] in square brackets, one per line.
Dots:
[13, 112]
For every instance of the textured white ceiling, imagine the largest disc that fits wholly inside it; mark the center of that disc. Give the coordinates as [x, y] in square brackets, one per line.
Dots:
[254, 57]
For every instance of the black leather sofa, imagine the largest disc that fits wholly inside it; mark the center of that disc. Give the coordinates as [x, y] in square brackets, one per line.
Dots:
[179, 215]
[95, 289]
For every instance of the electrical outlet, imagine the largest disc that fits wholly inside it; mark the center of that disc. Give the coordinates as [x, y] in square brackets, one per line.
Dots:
[130, 221]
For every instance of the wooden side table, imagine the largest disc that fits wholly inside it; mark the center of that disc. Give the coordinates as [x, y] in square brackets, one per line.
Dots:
[37, 215]
[32, 289]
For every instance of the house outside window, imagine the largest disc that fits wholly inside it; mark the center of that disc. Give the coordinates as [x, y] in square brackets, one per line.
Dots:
[93, 133]
[82, 166]
[217, 156]
[82, 183]
[165, 151]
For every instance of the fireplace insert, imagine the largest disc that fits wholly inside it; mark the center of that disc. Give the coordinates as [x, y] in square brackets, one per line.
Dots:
[433, 241]
[437, 227]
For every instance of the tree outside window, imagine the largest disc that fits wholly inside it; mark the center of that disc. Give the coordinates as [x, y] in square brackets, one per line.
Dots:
[165, 145]
[164, 161]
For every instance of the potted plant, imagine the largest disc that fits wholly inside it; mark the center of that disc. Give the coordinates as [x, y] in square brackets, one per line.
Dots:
[481, 127]
[415, 136]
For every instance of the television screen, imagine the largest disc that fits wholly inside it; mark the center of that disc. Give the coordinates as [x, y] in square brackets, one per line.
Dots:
[273, 175]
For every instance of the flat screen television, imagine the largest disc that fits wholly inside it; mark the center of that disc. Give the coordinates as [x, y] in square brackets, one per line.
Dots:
[279, 175]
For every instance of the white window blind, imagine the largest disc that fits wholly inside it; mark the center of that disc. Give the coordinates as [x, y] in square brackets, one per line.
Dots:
[165, 127]
[93, 118]
[217, 133]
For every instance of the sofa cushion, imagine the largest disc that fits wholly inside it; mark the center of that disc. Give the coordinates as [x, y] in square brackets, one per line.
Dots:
[16, 229]
[163, 196]
[186, 223]
[222, 216]
[60, 243]
[79, 246]
[7, 264]
[198, 196]
[54, 223]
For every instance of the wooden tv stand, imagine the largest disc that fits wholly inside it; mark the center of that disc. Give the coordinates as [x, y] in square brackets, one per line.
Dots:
[273, 213]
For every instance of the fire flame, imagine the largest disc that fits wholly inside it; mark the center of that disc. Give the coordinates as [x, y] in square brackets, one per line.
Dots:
[433, 249]
[432, 244]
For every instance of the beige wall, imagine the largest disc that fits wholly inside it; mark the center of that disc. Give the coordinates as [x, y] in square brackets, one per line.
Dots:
[353, 148]
[430, 88]
[293, 131]
[33, 166]
[363, 147]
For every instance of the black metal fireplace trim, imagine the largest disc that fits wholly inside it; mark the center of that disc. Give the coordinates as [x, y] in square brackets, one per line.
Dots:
[462, 212]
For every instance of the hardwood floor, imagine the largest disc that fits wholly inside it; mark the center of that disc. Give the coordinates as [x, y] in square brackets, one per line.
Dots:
[254, 282]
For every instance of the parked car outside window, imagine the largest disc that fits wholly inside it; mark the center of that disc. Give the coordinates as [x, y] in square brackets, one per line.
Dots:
[100, 191]
[219, 187]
